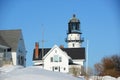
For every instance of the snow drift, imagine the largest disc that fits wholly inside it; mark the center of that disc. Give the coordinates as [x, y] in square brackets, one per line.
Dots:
[32, 73]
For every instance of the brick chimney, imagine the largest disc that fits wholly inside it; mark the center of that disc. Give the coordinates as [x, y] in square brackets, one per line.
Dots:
[36, 49]
[61, 46]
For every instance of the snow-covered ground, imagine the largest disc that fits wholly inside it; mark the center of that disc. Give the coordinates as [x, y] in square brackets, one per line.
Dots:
[103, 78]
[32, 73]
[36, 73]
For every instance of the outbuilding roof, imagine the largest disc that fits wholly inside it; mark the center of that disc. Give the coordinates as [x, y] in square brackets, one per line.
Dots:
[10, 38]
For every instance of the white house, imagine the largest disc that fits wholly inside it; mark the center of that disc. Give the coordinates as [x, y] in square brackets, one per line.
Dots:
[59, 58]
[12, 48]
[56, 60]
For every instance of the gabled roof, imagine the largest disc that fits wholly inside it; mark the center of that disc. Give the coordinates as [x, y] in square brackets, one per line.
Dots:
[74, 53]
[55, 46]
[10, 38]
[2, 42]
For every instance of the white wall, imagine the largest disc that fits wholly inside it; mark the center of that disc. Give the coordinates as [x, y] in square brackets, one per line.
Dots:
[37, 62]
[79, 61]
[76, 44]
[14, 58]
[48, 65]
[74, 37]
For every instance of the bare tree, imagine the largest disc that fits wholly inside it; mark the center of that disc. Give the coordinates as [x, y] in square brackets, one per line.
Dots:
[98, 68]
[108, 66]
[75, 71]
[116, 59]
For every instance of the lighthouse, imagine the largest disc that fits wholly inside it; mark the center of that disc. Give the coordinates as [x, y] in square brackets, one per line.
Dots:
[60, 59]
[74, 39]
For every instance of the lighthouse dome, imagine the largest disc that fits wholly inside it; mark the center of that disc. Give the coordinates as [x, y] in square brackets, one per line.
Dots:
[74, 19]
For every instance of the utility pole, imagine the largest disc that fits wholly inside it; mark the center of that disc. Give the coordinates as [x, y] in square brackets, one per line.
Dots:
[87, 56]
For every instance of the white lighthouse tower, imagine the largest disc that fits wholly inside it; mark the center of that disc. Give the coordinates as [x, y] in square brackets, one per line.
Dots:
[74, 33]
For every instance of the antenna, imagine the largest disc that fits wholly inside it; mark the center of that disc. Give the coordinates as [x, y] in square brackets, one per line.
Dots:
[42, 42]
[42, 45]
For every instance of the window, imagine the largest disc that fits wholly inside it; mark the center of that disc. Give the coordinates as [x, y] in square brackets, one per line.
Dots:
[51, 59]
[20, 38]
[64, 69]
[56, 58]
[19, 59]
[73, 26]
[73, 45]
[59, 68]
[22, 60]
[60, 59]
[53, 68]
[9, 49]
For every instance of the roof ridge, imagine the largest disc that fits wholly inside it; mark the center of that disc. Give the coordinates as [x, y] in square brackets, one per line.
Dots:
[11, 30]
